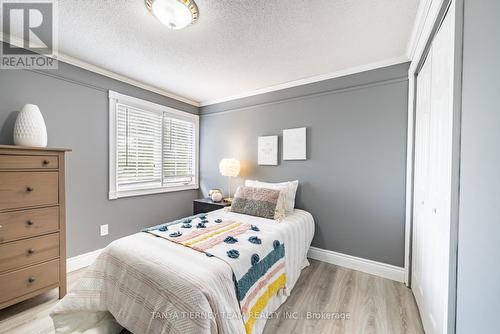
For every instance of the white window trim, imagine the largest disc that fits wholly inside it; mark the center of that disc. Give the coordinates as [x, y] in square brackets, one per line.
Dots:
[115, 97]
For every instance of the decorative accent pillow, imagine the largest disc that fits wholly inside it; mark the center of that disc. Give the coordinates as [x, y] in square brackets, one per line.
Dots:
[260, 202]
[289, 188]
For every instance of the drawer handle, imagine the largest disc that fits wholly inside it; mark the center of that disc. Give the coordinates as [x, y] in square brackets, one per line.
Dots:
[29, 189]
[31, 251]
[46, 162]
[30, 222]
[31, 279]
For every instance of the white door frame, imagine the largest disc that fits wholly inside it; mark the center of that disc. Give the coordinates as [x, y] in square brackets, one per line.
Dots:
[430, 16]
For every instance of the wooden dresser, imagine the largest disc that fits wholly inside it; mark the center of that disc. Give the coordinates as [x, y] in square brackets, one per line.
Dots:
[32, 223]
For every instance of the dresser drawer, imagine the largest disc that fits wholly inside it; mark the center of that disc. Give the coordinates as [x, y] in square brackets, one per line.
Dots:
[24, 281]
[25, 189]
[28, 161]
[18, 254]
[16, 225]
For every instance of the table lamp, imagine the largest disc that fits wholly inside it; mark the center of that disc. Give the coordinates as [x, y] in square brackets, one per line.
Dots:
[229, 168]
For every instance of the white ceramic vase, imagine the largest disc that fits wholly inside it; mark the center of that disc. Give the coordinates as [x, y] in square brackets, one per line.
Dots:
[30, 129]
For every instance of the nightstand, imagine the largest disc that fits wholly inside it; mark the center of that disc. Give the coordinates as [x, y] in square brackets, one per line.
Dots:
[204, 205]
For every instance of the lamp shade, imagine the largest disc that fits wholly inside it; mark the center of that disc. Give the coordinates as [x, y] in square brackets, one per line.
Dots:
[229, 167]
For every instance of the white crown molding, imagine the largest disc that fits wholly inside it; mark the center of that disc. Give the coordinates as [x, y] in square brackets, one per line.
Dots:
[119, 77]
[304, 81]
[356, 263]
[82, 261]
[427, 14]
[313, 79]
[110, 74]
[418, 26]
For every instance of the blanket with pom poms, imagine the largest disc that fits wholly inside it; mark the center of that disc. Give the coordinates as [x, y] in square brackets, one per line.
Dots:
[256, 256]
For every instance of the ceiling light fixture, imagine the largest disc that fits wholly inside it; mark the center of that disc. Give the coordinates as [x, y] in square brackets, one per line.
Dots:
[175, 14]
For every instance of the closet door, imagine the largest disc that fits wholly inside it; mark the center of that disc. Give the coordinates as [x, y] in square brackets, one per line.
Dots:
[421, 211]
[432, 182]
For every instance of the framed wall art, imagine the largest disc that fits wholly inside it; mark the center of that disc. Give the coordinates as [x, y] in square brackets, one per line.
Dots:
[268, 150]
[294, 144]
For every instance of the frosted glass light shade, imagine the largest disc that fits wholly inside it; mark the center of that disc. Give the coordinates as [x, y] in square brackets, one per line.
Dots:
[229, 167]
[30, 129]
[175, 14]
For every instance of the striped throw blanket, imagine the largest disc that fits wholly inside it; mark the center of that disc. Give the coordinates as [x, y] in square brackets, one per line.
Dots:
[255, 255]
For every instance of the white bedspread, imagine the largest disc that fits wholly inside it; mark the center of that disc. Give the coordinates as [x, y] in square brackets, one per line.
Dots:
[152, 286]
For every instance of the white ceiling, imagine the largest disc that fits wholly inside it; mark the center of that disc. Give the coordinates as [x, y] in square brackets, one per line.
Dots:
[237, 46]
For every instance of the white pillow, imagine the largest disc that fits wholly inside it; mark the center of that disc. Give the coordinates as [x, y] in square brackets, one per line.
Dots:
[289, 189]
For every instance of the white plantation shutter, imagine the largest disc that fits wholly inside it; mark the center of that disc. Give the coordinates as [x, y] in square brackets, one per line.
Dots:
[152, 148]
[178, 151]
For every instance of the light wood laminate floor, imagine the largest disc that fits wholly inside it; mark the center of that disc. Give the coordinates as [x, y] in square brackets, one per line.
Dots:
[362, 303]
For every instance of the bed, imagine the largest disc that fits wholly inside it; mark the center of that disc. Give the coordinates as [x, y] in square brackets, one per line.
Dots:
[151, 285]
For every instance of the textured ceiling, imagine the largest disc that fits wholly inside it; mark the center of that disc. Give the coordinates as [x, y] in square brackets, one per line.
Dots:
[237, 46]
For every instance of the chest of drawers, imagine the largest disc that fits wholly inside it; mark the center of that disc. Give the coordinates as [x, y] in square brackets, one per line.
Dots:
[32, 223]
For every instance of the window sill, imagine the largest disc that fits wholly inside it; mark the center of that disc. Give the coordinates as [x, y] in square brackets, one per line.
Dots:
[140, 192]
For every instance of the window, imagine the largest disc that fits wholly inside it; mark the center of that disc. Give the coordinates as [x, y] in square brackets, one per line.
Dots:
[153, 148]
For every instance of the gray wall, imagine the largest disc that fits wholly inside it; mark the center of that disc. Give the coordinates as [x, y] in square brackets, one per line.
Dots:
[354, 179]
[74, 104]
[478, 292]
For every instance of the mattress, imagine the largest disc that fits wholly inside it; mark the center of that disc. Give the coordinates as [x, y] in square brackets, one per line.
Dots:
[151, 285]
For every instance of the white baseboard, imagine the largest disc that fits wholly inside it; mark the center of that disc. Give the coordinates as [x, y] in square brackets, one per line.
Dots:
[81, 261]
[352, 262]
[356, 263]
